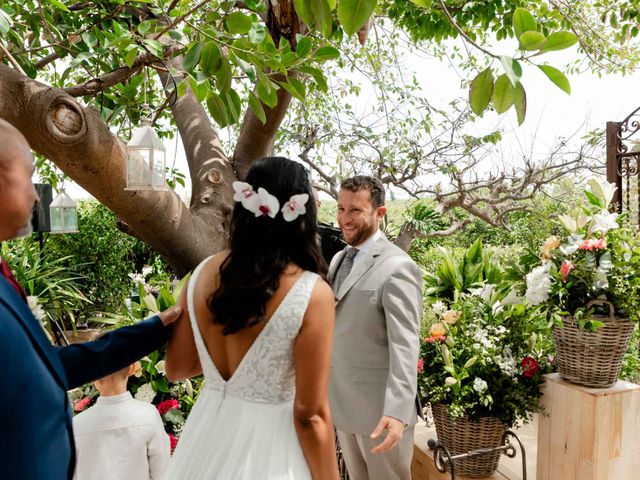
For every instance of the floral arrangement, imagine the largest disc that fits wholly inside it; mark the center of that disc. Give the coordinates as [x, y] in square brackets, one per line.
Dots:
[484, 356]
[594, 262]
[485, 350]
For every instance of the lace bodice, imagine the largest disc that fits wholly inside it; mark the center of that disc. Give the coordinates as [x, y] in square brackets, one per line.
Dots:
[266, 373]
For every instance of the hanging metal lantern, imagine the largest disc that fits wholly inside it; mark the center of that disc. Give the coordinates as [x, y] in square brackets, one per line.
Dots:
[146, 159]
[63, 213]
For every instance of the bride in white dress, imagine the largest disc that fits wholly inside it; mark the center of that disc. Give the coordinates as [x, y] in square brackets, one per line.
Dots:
[259, 325]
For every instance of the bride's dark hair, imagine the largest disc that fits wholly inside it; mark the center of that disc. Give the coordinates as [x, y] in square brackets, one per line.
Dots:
[261, 247]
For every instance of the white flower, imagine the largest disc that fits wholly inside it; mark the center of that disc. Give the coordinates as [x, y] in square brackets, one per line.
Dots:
[480, 385]
[603, 190]
[145, 393]
[36, 309]
[188, 386]
[483, 292]
[146, 270]
[160, 367]
[243, 193]
[450, 381]
[295, 207]
[605, 221]
[512, 298]
[497, 308]
[538, 285]
[439, 307]
[263, 204]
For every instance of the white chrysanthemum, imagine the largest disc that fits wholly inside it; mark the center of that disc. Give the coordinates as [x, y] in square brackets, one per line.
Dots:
[538, 285]
[145, 393]
[439, 307]
[480, 385]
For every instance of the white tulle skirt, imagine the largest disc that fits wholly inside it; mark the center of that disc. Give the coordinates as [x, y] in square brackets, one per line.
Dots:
[226, 438]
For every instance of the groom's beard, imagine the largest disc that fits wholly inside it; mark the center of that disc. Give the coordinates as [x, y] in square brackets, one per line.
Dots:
[25, 231]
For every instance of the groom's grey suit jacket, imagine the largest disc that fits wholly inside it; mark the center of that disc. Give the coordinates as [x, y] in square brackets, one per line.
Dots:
[377, 339]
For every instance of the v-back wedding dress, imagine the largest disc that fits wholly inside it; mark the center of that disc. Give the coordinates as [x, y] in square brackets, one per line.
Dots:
[242, 428]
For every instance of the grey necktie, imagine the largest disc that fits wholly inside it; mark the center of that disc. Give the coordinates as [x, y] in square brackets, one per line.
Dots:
[345, 267]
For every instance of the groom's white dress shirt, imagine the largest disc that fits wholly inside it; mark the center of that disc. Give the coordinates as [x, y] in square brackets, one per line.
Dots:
[120, 438]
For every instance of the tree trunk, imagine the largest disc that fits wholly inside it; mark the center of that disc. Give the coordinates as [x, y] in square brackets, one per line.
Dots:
[77, 140]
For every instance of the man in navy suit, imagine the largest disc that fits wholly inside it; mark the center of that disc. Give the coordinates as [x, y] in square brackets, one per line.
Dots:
[36, 440]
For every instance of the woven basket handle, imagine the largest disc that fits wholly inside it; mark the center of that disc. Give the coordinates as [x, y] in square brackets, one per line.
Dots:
[604, 302]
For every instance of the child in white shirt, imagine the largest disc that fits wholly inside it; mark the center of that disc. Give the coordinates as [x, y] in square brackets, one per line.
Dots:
[120, 438]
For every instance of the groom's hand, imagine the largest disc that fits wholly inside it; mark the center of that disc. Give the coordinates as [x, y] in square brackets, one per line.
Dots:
[170, 315]
[395, 430]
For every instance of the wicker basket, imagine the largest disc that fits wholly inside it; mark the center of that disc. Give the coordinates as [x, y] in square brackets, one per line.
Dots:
[592, 359]
[462, 435]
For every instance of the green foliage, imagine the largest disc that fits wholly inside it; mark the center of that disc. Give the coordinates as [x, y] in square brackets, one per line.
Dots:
[452, 277]
[102, 255]
[54, 280]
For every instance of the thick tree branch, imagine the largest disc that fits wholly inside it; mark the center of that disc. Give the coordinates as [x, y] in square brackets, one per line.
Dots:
[77, 140]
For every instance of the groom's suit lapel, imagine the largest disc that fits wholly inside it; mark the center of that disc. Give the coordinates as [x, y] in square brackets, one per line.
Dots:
[362, 267]
[16, 305]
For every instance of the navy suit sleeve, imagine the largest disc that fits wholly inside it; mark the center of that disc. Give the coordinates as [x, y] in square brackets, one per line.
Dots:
[85, 362]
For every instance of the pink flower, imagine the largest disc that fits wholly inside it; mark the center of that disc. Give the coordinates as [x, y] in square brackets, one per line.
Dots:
[593, 244]
[173, 440]
[565, 268]
[440, 338]
[420, 365]
[530, 367]
[167, 405]
[82, 404]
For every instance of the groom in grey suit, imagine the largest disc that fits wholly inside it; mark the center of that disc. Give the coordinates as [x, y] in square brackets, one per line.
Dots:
[373, 383]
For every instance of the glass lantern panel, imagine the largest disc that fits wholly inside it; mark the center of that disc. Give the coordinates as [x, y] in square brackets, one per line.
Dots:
[70, 219]
[159, 165]
[139, 169]
[57, 219]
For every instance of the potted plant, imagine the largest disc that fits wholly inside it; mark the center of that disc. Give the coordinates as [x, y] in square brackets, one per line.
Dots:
[481, 364]
[587, 280]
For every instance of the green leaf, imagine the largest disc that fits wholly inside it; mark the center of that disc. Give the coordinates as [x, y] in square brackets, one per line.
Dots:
[303, 9]
[130, 57]
[5, 22]
[293, 89]
[326, 53]
[182, 88]
[557, 77]
[198, 88]
[192, 57]
[317, 75]
[210, 58]
[238, 22]
[160, 385]
[481, 91]
[520, 102]
[594, 199]
[256, 106]
[154, 47]
[233, 103]
[523, 22]
[223, 75]
[531, 40]
[559, 41]
[59, 5]
[322, 16]
[512, 68]
[267, 91]
[422, 3]
[353, 14]
[303, 47]
[217, 109]
[502, 94]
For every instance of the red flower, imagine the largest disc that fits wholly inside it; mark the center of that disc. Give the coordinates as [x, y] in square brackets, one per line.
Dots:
[82, 404]
[565, 268]
[173, 440]
[530, 367]
[593, 244]
[420, 365]
[164, 407]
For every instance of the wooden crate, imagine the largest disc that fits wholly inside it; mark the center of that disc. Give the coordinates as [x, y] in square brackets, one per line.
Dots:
[589, 433]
